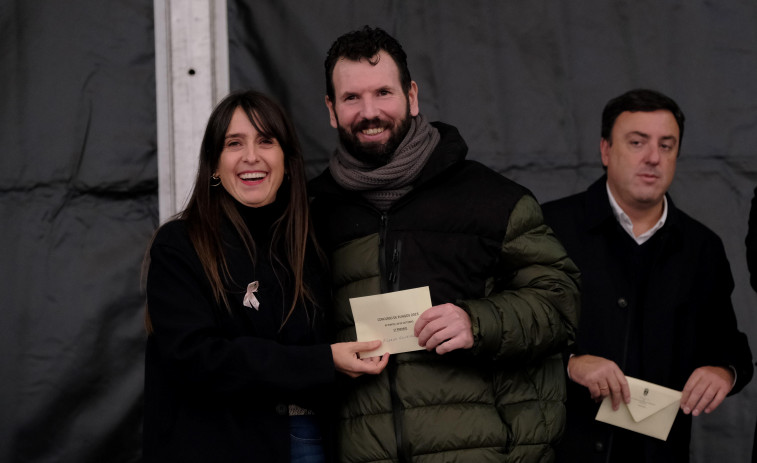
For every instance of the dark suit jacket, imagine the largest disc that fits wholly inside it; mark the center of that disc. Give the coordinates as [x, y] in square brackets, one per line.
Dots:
[751, 260]
[659, 310]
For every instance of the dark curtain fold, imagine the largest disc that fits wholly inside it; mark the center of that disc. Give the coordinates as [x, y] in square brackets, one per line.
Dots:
[78, 201]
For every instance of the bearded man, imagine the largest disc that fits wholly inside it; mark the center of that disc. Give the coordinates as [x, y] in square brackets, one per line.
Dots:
[400, 207]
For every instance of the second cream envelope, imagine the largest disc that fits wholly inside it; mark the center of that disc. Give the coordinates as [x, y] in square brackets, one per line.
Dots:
[652, 410]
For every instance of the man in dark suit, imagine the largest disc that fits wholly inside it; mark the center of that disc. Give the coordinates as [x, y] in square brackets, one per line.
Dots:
[751, 261]
[656, 290]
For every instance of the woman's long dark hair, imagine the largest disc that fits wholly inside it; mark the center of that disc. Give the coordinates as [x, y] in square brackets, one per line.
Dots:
[209, 205]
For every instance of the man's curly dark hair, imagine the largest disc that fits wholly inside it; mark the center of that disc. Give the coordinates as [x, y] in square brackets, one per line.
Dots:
[365, 44]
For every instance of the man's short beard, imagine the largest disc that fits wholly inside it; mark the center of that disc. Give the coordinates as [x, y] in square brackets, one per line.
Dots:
[375, 154]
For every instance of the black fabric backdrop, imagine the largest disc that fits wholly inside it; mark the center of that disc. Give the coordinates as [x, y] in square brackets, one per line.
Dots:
[78, 201]
[524, 81]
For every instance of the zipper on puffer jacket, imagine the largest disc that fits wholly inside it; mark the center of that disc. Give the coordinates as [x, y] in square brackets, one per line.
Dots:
[390, 282]
[398, 412]
[383, 227]
[394, 273]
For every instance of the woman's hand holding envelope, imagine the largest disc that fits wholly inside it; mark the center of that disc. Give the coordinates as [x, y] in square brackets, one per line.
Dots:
[347, 360]
[601, 376]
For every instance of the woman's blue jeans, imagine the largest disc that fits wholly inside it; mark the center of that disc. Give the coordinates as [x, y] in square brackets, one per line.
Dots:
[306, 440]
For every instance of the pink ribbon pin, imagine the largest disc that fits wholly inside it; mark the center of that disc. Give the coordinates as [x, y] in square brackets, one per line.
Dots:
[249, 299]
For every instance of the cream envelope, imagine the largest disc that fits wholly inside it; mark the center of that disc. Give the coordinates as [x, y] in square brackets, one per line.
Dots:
[391, 318]
[652, 410]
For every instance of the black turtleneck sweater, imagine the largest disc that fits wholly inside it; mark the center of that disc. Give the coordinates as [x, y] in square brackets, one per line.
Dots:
[218, 383]
[275, 281]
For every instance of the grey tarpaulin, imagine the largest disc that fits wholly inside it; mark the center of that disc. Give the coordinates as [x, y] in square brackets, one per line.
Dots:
[524, 81]
[78, 203]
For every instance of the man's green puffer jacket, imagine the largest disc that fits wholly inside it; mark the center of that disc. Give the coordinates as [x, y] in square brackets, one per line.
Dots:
[477, 240]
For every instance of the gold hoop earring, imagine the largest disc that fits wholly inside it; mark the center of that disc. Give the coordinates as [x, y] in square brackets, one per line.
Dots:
[215, 180]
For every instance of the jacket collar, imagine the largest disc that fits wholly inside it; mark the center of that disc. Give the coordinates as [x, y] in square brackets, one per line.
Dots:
[599, 212]
[450, 150]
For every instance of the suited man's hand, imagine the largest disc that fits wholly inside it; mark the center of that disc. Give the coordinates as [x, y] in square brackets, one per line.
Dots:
[601, 376]
[706, 389]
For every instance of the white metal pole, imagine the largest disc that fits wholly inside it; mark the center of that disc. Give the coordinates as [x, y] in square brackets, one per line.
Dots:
[192, 74]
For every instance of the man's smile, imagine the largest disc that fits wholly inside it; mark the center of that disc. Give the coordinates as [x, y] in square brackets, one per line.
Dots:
[373, 131]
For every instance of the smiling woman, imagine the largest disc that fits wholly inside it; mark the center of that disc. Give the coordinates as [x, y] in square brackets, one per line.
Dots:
[238, 367]
[251, 167]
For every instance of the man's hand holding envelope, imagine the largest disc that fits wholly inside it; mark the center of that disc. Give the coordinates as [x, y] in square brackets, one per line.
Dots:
[405, 321]
[645, 407]
[706, 389]
[444, 328]
[601, 376]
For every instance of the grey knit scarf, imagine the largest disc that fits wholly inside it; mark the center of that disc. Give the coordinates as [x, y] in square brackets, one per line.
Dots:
[384, 185]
